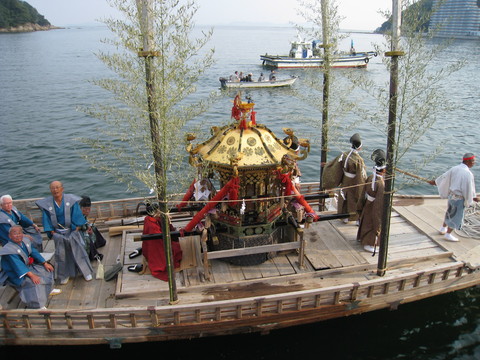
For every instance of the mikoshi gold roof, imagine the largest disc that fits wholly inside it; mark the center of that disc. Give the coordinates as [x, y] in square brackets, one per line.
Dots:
[251, 147]
[245, 144]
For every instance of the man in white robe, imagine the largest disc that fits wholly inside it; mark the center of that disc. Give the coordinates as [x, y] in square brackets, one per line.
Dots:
[458, 186]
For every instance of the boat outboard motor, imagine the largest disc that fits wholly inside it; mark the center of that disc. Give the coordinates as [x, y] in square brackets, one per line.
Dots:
[223, 82]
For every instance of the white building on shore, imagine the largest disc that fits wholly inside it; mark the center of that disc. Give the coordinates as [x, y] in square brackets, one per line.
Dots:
[456, 18]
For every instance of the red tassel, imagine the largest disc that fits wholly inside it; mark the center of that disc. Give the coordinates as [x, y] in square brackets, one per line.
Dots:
[287, 183]
[290, 188]
[236, 112]
[234, 187]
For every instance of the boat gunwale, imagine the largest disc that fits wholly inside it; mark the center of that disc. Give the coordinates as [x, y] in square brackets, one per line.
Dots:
[176, 308]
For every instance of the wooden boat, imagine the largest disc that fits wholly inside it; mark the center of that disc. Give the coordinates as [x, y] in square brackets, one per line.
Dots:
[305, 54]
[331, 277]
[315, 270]
[227, 84]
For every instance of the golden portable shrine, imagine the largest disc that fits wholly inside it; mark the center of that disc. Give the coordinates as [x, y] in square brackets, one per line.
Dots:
[258, 208]
[258, 203]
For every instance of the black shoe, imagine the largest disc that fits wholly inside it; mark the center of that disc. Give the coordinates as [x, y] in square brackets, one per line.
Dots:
[135, 253]
[135, 268]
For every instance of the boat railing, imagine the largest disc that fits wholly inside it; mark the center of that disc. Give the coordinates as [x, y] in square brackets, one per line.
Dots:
[348, 298]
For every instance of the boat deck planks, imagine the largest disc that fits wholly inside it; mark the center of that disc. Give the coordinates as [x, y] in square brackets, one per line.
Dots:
[332, 254]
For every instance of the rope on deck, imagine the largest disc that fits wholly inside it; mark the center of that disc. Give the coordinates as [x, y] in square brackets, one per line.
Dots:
[471, 222]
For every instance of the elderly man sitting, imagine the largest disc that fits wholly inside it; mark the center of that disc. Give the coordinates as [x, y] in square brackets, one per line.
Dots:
[9, 216]
[25, 269]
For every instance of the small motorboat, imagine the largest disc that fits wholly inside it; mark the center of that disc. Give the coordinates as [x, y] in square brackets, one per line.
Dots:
[227, 83]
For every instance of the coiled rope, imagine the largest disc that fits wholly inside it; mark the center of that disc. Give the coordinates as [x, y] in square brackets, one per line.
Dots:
[471, 222]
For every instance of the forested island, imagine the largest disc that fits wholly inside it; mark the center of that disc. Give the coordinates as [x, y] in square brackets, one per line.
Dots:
[421, 9]
[20, 16]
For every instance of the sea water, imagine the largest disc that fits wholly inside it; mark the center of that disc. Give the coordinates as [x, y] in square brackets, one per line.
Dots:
[46, 76]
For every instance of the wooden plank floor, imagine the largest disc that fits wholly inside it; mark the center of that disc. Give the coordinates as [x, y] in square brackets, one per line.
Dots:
[193, 275]
[331, 249]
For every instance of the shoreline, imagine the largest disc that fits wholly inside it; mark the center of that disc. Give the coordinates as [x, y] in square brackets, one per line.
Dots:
[29, 27]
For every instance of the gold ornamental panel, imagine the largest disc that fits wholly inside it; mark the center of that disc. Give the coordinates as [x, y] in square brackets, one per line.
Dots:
[252, 147]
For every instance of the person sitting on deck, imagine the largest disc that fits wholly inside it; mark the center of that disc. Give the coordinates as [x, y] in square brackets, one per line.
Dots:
[9, 216]
[153, 250]
[62, 220]
[24, 268]
[92, 237]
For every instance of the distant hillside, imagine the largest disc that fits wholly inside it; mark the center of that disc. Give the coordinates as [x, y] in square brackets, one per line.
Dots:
[423, 8]
[19, 16]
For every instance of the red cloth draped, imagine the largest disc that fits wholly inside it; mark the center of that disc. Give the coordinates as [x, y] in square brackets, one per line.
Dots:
[287, 183]
[304, 203]
[290, 188]
[154, 251]
[234, 185]
[187, 195]
[230, 188]
[253, 118]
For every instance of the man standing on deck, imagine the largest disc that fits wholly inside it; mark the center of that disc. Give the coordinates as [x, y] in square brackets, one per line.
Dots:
[62, 219]
[371, 204]
[347, 171]
[458, 186]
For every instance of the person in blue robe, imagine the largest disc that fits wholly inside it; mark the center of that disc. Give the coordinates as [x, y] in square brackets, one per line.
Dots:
[9, 216]
[62, 219]
[24, 268]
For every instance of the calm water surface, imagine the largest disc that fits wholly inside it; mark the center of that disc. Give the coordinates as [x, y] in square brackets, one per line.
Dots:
[45, 77]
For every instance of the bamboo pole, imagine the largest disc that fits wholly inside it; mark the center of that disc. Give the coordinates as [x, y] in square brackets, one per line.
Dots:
[413, 175]
[326, 92]
[391, 141]
[144, 8]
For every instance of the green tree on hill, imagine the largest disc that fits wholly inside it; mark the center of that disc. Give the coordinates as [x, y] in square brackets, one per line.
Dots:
[15, 13]
[422, 9]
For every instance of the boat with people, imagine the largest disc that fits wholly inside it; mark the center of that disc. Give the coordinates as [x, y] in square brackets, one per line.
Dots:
[226, 83]
[308, 54]
[258, 254]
